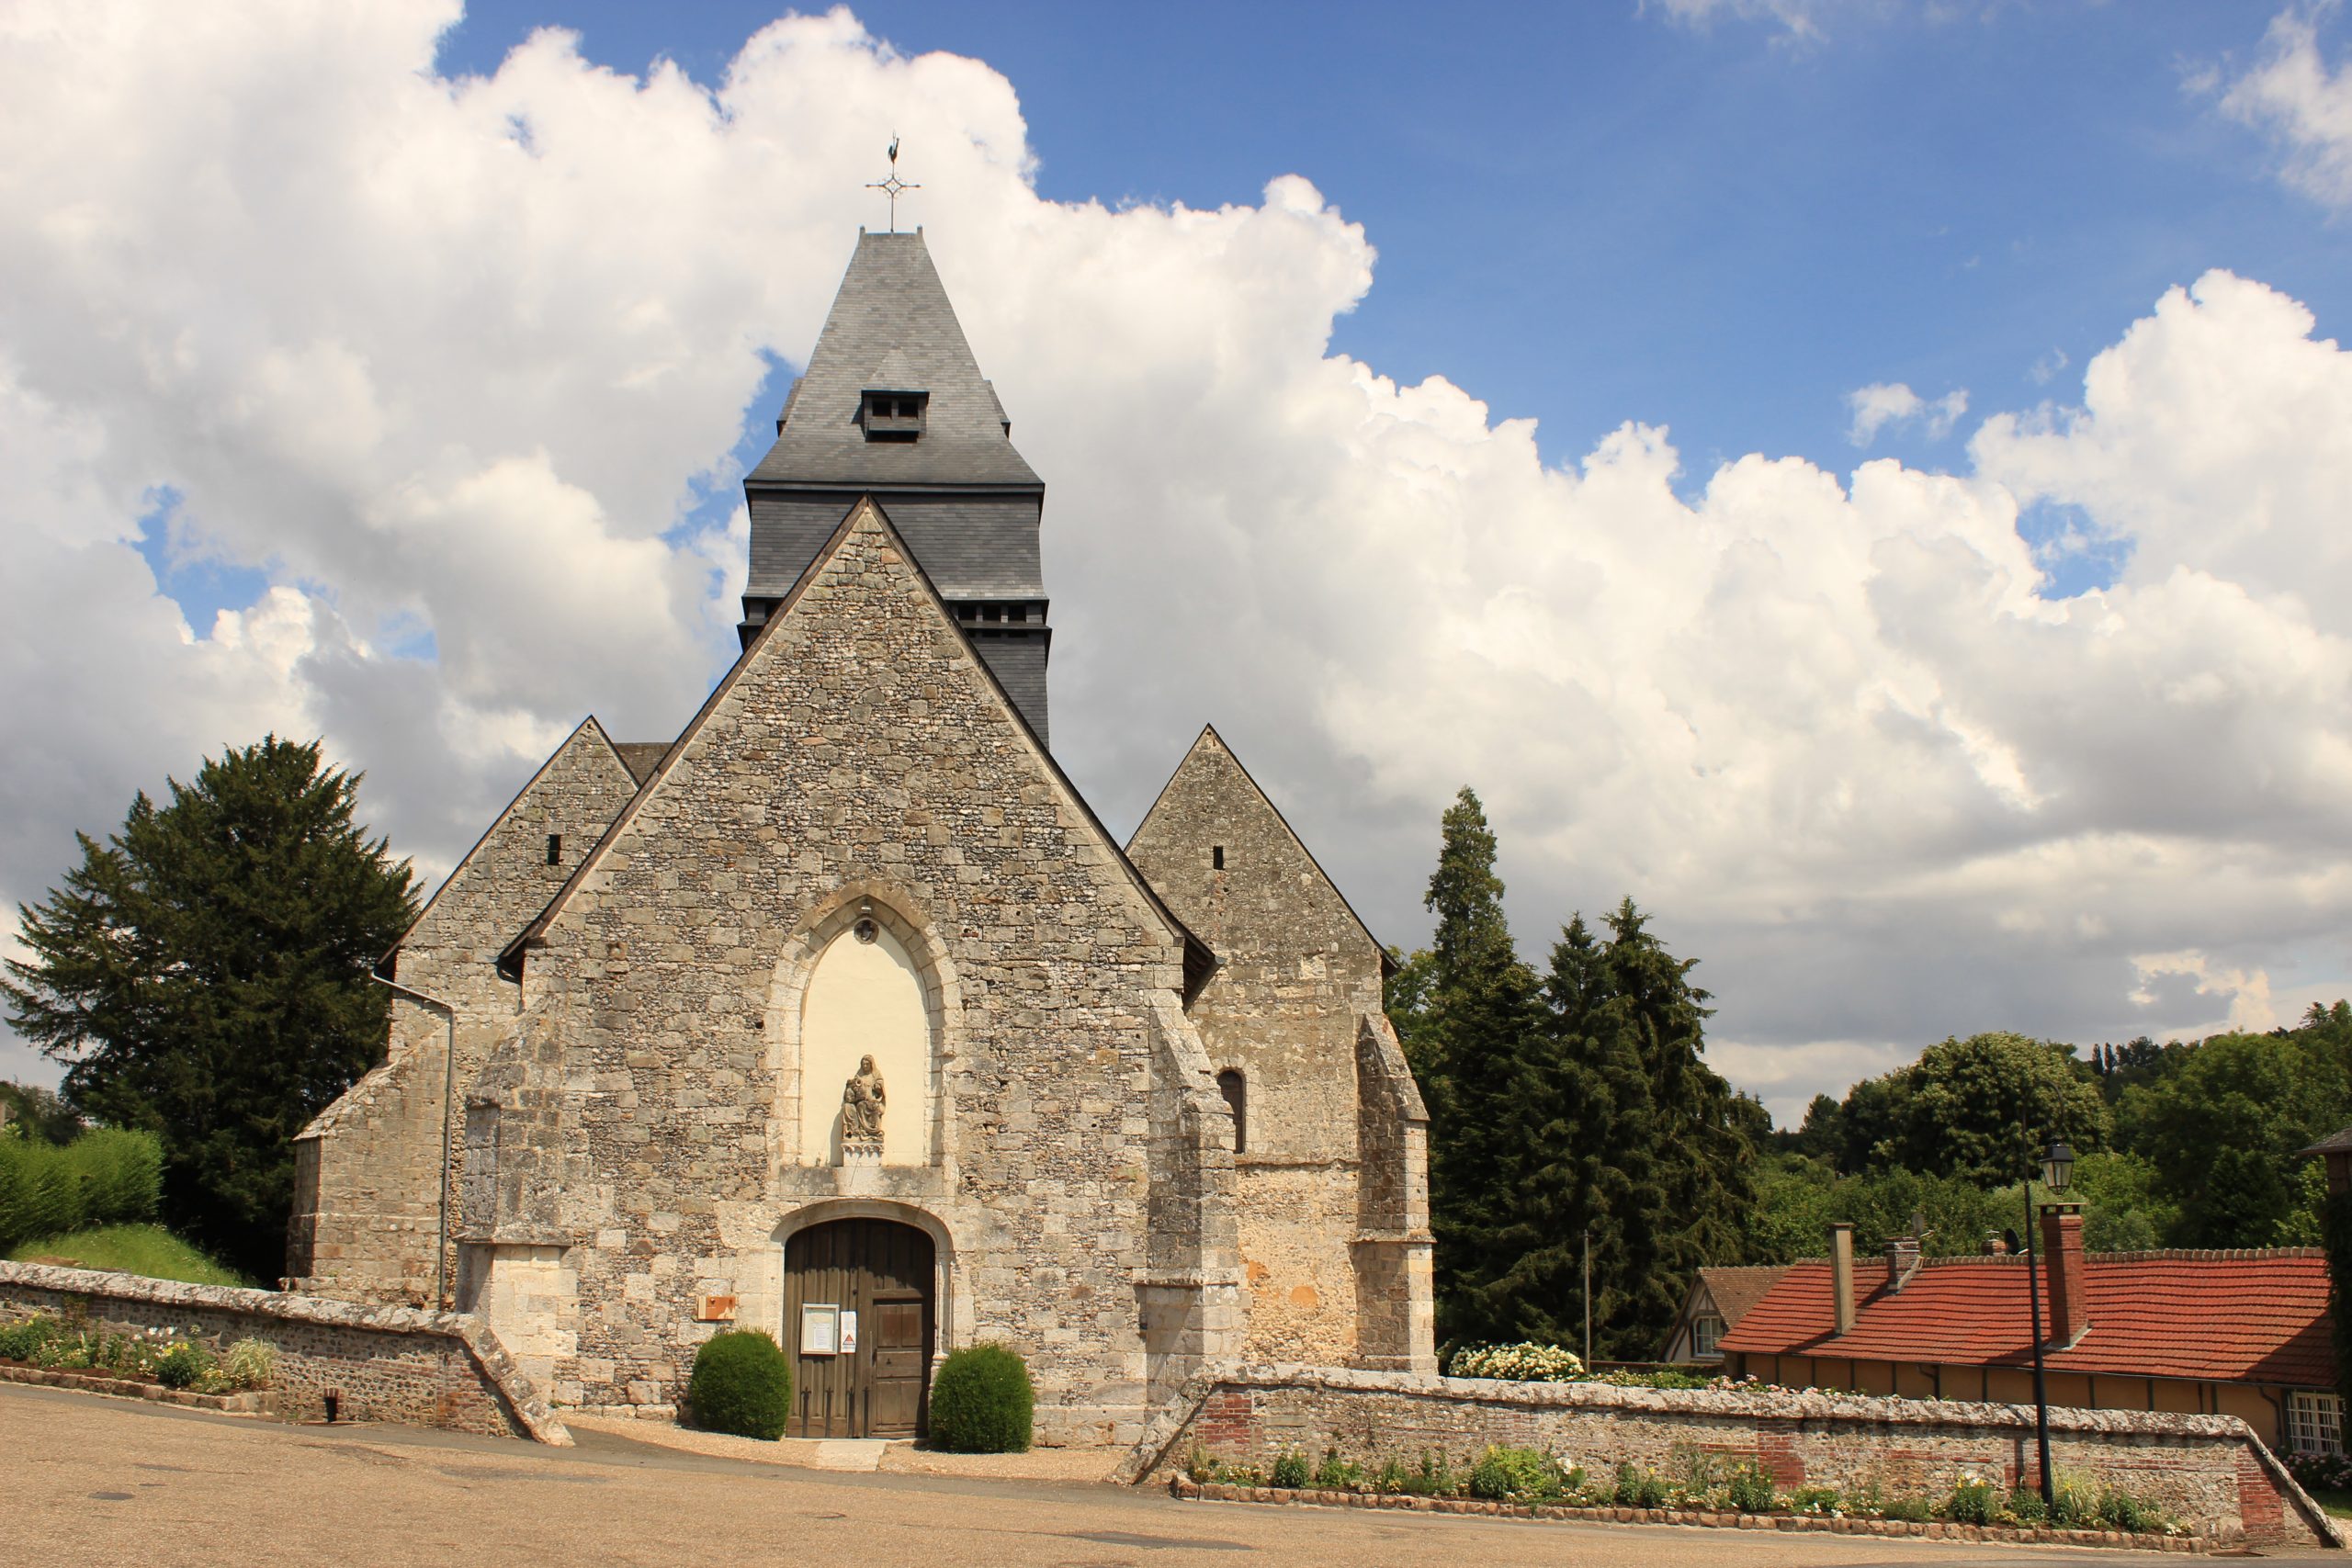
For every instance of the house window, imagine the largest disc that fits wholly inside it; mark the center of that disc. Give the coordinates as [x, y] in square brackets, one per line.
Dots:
[894, 416]
[2315, 1422]
[1704, 1333]
[1236, 1089]
[555, 848]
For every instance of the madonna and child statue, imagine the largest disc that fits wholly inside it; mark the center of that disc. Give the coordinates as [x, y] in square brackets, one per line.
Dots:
[862, 1100]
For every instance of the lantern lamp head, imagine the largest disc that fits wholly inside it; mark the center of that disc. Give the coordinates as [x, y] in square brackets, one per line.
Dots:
[2057, 1165]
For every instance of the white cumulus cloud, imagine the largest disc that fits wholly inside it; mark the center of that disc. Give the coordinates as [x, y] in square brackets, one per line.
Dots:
[1884, 403]
[2305, 104]
[451, 362]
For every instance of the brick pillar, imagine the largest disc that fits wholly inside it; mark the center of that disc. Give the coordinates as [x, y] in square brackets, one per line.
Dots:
[2061, 1253]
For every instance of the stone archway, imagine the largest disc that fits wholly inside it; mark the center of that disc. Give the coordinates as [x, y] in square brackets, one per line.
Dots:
[860, 1322]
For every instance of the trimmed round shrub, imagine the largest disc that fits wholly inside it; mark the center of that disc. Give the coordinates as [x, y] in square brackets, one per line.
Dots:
[741, 1384]
[982, 1401]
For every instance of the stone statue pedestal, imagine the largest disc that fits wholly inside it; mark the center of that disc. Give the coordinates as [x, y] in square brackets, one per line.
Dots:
[861, 1152]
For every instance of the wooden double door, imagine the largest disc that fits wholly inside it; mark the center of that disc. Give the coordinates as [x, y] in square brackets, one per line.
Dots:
[859, 1324]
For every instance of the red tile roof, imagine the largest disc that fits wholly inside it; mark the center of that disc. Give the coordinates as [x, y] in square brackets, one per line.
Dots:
[2206, 1316]
[1735, 1290]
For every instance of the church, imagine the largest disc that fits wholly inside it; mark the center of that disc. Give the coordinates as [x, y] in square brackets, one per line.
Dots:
[842, 1017]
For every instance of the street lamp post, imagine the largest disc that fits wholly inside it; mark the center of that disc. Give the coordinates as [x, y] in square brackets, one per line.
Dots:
[2057, 1170]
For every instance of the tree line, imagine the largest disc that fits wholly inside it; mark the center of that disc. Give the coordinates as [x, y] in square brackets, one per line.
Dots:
[1575, 1104]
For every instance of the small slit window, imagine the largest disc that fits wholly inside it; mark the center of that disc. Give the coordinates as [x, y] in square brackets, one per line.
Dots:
[1216, 858]
[1236, 1089]
[555, 848]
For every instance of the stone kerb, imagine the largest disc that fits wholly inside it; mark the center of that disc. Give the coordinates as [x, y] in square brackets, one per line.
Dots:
[2210, 1470]
[390, 1363]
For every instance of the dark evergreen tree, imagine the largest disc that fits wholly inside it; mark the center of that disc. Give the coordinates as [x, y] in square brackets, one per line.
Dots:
[203, 974]
[1475, 1017]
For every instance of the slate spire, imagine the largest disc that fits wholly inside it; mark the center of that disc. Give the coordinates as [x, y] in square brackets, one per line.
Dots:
[894, 406]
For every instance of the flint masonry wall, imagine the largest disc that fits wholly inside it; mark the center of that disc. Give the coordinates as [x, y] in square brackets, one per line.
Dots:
[417, 1368]
[2208, 1470]
[648, 1114]
[369, 1171]
[1297, 976]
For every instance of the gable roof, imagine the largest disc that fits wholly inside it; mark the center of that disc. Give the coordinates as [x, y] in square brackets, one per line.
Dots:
[587, 730]
[1199, 962]
[2251, 1317]
[891, 327]
[1208, 737]
[1735, 1290]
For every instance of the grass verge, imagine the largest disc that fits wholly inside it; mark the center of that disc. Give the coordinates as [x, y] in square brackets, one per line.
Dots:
[2338, 1504]
[148, 1250]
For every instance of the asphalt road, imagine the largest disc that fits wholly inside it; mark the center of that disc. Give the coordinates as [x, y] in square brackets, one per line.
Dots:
[93, 1480]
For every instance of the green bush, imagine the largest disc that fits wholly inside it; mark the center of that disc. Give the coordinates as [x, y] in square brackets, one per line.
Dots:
[1824, 1500]
[740, 1383]
[1638, 1488]
[183, 1366]
[2027, 1507]
[1290, 1468]
[21, 1339]
[2121, 1511]
[1337, 1474]
[1918, 1510]
[1750, 1491]
[1973, 1503]
[981, 1403]
[1508, 1473]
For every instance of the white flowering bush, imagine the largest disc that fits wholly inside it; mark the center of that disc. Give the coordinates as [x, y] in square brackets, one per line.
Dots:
[1525, 1362]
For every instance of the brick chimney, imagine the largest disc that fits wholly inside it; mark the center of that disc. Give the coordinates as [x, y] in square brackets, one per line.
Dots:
[2062, 1256]
[1841, 1274]
[1902, 1261]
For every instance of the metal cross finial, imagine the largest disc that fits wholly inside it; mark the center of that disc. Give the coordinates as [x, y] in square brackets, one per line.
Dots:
[894, 185]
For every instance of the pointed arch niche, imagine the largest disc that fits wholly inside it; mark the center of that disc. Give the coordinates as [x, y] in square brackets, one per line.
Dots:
[861, 979]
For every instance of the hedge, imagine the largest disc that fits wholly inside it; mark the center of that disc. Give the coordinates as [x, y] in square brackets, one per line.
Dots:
[105, 1177]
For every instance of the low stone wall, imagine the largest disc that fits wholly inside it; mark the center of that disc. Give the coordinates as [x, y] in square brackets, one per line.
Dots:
[418, 1369]
[2209, 1472]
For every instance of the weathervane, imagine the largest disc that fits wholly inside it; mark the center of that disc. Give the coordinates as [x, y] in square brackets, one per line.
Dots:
[894, 185]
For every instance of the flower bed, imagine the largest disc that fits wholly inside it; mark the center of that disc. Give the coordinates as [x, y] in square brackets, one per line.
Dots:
[248, 1403]
[1701, 1483]
[1186, 1487]
[168, 1359]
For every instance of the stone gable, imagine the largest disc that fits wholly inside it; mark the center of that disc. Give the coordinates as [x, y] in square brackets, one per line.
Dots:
[1324, 1170]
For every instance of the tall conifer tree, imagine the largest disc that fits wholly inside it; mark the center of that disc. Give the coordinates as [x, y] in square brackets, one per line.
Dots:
[1479, 1014]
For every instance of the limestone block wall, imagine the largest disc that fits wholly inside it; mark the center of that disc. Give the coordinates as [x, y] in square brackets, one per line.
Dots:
[1297, 973]
[2208, 1470]
[368, 1182]
[419, 1368]
[857, 755]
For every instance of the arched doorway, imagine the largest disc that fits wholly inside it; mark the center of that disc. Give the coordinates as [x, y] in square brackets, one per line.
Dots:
[858, 1322]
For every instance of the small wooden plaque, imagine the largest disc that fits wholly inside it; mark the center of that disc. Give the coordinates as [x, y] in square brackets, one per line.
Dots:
[714, 1308]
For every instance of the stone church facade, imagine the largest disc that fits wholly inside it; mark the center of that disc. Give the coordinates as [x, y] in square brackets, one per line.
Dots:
[842, 1017]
